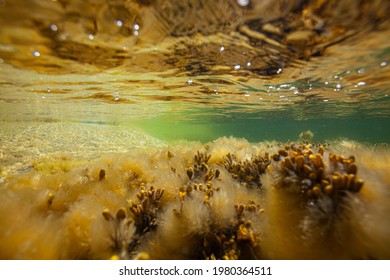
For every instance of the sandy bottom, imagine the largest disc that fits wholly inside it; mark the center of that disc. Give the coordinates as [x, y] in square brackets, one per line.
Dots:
[23, 142]
[228, 199]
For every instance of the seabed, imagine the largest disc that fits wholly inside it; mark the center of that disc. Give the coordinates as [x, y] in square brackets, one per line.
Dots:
[227, 199]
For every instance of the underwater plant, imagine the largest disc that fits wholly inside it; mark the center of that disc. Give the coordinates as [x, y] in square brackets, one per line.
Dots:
[319, 202]
[228, 200]
[247, 172]
[306, 136]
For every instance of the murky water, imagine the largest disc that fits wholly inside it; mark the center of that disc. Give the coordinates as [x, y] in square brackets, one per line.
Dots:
[87, 78]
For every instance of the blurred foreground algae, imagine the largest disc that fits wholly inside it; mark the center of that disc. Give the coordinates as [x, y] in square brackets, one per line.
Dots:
[228, 199]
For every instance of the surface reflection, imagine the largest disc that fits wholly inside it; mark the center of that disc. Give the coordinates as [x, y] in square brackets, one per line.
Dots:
[194, 60]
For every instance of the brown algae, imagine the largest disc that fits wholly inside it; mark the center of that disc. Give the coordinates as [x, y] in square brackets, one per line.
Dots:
[229, 199]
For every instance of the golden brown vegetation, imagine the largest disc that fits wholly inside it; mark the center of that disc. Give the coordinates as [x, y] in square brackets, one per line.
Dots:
[227, 200]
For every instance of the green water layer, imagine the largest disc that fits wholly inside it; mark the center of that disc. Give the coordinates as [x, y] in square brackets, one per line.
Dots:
[370, 130]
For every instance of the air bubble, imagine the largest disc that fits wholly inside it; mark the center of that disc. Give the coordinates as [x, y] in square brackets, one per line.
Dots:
[221, 49]
[237, 67]
[361, 70]
[243, 3]
[384, 63]
[118, 23]
[54, 27]
[116, 96]
[36, 53]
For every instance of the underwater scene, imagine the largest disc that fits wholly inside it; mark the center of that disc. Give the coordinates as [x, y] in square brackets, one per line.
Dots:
[167, 129]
